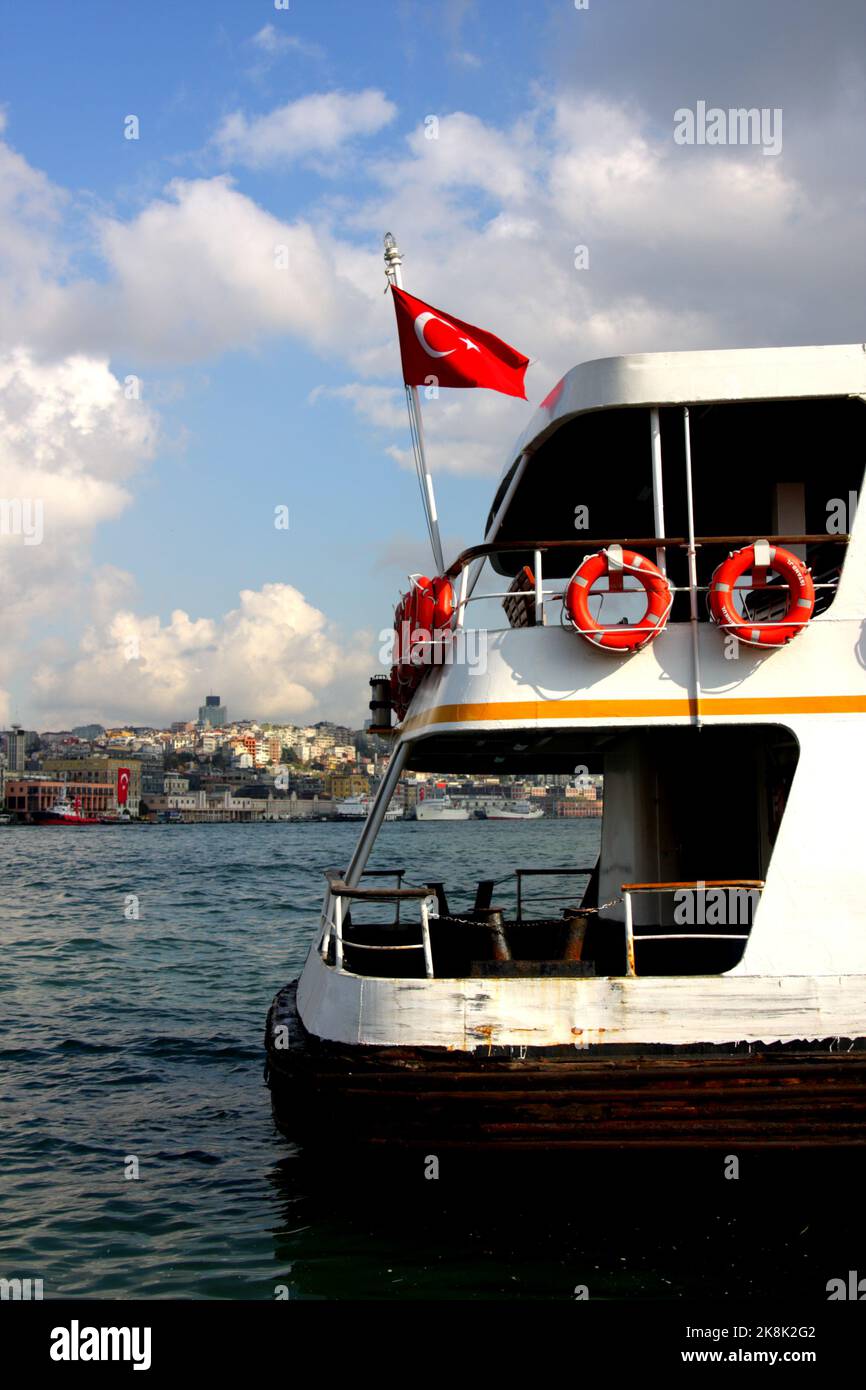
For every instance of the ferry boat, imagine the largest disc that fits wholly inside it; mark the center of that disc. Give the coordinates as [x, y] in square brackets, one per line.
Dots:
[683, 574]
[359, 807]
[439, 807]
[514, 810]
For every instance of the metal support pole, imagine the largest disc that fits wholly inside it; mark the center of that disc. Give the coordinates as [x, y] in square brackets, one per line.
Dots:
[425, 939]
[393, 263]
[539, 588]
[338, 932]
[658, 490]
[376, 815]
[463, 597]
[629, 937]
[693, 570]
[326, 924]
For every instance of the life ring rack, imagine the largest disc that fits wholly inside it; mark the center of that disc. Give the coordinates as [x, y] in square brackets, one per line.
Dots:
[615, 562]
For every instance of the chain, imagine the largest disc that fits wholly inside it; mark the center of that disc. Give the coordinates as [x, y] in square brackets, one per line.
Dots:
[566, 912]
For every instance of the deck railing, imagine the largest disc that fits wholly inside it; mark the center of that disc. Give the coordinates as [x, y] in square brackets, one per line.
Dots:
[521, 874]
[333, 915]
[696, 885]
[461, 569]
[339, 893]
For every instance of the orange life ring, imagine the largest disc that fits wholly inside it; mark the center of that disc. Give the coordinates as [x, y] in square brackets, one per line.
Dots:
[428, 609]
[759, 558]
[615, 563]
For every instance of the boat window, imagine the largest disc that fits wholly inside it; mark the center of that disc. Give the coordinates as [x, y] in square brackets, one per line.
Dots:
[760, 469]
[591, 480]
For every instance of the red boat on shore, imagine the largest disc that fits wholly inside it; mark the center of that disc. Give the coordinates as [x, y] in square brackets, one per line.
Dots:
[64, 812]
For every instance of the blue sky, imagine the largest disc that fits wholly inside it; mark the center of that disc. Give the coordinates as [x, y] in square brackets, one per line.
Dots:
[306, 126]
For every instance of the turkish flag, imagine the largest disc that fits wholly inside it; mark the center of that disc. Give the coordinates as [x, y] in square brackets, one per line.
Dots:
[454, 353]
[122, 786]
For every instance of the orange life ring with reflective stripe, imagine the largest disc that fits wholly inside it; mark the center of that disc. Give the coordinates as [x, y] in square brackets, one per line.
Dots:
[614, 562]
[759, 558]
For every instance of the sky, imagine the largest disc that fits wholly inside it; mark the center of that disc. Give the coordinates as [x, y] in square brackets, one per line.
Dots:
[193, 329]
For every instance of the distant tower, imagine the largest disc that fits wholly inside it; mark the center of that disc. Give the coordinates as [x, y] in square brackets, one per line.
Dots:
[16, 755]
[212, 712]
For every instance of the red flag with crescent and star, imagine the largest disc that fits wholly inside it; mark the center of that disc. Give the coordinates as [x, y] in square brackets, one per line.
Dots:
[122, 786]
[433, 344]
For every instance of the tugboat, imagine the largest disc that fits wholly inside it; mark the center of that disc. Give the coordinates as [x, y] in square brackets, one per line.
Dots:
[684, 579]
[64, 812]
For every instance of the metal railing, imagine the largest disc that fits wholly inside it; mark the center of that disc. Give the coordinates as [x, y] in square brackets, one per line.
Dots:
[462, 565]
[520, 874]
[696, 885]
[333, 916]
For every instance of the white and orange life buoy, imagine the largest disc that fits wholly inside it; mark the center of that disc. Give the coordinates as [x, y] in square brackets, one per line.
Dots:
[615, 563]
[759, 558]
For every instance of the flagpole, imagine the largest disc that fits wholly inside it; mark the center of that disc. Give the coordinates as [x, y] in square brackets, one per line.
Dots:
[393, 263]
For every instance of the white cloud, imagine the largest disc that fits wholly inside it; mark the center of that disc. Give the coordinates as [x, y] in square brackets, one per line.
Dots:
[206, 270]
[319, 124]
[382, 406]
[70, 442]
[463, 151]
[269, 40]
[135, 668]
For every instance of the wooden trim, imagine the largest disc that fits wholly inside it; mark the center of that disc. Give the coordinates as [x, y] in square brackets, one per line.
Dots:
[697, 883]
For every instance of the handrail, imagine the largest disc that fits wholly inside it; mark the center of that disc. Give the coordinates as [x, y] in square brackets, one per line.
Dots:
[753, 884]
[477, 552]
[338, 890]
[694, 883]
[373, 895]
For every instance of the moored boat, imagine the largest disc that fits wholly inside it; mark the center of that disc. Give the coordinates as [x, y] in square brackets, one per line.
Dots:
[359, 807]
[515, 810]
[700, 646]
[64, 812]
[439, 807]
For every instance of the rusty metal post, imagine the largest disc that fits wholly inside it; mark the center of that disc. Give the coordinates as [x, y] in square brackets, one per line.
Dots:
[491, 918]
[576, 924]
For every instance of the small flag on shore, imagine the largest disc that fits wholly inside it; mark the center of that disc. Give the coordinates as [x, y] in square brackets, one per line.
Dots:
[433, 344]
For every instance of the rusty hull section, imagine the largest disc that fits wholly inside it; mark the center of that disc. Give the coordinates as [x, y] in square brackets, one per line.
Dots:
[605, 1096]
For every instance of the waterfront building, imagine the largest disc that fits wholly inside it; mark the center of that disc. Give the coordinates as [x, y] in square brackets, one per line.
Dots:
[97, 769]
[340, 785]
[27, 796]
